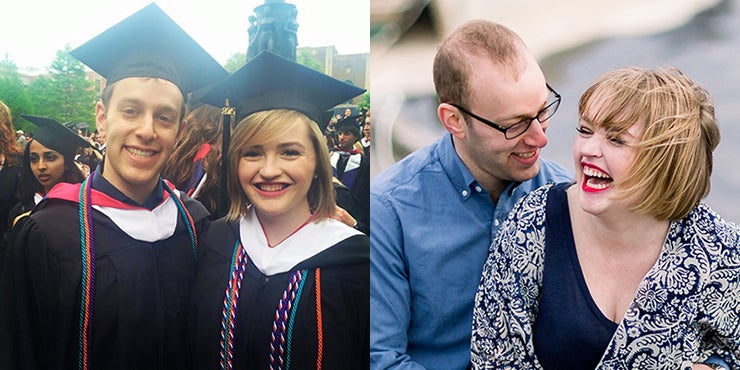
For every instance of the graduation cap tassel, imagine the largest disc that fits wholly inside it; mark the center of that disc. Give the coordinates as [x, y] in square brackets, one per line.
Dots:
[228, 114]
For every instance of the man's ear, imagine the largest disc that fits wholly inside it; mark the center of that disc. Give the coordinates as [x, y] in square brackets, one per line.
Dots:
[452, 120]
[100, 117]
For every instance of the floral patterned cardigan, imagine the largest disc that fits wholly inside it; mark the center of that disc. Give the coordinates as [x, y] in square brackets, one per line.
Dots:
[686, 308]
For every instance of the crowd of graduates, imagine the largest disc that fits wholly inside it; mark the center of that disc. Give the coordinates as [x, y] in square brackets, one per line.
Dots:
[160, 242]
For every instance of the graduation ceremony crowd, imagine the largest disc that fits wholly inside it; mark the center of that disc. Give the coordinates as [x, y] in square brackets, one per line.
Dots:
[157, 244]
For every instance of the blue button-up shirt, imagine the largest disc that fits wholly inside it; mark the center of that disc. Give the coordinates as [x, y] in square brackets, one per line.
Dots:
[431, 225]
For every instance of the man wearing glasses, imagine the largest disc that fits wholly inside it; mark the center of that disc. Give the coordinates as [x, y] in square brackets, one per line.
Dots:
[435, 213]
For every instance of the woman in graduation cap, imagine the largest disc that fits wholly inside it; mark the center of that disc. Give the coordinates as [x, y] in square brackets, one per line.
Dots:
[47, 161]
[280, 282]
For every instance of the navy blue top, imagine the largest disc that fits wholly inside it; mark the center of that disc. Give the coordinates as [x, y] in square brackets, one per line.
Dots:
[570, 331]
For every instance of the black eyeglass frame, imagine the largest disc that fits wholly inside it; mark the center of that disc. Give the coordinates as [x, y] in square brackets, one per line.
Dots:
[528, 121]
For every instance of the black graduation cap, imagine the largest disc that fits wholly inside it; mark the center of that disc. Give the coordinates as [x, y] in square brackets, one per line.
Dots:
[150, 44]
[56, 136]
[195, 97]
[349, 124]
[270, 81]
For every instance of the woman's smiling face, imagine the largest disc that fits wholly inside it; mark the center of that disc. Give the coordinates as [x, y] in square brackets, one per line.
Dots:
[277, 174]
[601, 158]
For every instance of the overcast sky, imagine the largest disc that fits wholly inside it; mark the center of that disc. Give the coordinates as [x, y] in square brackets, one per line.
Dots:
[31, 31]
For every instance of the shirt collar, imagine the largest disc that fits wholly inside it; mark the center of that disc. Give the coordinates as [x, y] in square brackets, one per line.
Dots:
[456, 171]
[101, 184]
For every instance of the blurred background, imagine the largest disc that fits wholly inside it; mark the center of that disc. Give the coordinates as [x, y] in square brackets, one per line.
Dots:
[576, 41]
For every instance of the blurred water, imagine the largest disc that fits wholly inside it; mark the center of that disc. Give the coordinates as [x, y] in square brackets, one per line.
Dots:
[705, 49]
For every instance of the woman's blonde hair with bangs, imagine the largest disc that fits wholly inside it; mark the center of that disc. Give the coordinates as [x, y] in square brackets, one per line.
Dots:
[260, 127]
[673, 162]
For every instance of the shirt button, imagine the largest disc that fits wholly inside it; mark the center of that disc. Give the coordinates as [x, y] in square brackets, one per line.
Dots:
[478, 189]
[495, 222]
[465, 193]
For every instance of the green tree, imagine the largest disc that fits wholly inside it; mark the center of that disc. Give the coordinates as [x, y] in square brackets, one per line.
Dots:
[13, 92]
[305, 58]
[41, 89]
[365, 104]
[235, 61]
[67, 95]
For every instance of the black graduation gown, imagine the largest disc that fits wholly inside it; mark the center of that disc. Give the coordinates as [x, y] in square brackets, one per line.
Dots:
[142, 290]
[353, 206]
[345, 306]
[8, 197]
[17, 210]
[21, 208]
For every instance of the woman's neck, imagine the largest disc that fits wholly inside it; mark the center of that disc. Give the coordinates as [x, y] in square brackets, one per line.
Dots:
[277, 228]
[618, 231]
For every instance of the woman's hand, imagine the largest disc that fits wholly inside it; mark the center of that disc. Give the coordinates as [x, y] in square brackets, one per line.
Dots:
[703, 367]
[344, 216]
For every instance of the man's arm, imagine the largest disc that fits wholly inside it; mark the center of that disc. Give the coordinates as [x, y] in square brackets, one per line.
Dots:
[390, 303]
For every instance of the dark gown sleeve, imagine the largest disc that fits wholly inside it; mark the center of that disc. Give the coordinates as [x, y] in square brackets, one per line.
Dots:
[361, 189]
[345, 305]
[25, 294]
[8, 196]
[214, 261]
[350, 203]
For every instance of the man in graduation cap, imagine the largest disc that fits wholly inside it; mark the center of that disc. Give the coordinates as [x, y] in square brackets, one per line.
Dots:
[100, 274]
[347, 159]
[350, 165]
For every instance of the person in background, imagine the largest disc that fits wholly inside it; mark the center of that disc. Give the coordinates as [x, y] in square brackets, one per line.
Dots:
[21, 136]
[366, 136]
[10, 158]
[331, 133]
[281, 283]
[89, 158]
[346, 159]
[100, 142]
[99, 275]
[434, 214]
[626, 268]
[351, 167]
[195, 165]
[47, 161]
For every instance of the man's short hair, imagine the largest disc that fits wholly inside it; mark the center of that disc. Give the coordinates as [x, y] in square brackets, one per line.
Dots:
[349, 124]
[476, 38]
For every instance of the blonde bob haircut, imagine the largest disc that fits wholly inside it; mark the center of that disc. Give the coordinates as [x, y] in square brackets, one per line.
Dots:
[673, 160]
[261, 127]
